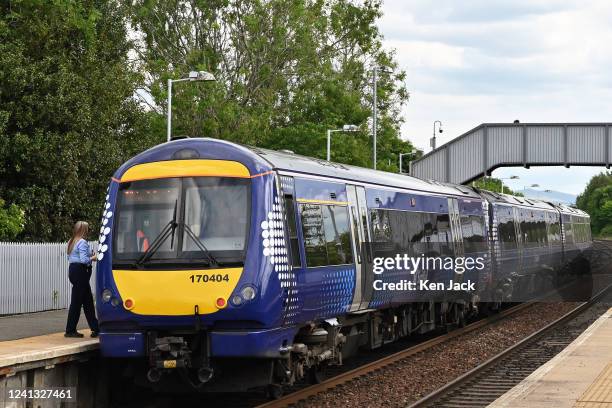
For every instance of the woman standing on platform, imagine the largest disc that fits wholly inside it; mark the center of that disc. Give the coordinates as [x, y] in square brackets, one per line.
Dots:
[80, 257]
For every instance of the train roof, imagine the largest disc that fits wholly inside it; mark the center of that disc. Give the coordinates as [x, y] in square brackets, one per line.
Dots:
[259, 159]
[531, 203]
[518, 201]
[295, 163]
[566, 209]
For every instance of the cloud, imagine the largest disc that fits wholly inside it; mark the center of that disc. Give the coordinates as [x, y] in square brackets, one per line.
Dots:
[474, 11]
[475, 61]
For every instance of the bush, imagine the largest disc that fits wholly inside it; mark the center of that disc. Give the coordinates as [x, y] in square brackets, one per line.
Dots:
[12, 221]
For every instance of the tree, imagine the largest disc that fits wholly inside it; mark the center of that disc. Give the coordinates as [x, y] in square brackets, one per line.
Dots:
[68, 118]
[11, 221]
[596, 200]
[287, 70]
[495, 185]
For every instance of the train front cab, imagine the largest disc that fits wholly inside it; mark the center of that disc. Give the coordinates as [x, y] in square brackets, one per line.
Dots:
[191, 255]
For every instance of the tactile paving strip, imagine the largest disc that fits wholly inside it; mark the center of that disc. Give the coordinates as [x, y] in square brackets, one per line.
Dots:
[599, 394]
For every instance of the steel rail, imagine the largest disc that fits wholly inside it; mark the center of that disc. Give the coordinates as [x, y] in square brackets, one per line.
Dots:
[310, 391]
[459, 381]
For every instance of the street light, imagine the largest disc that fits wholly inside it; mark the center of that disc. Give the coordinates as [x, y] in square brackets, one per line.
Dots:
[374, 108]
[400, 160]
[193, 76]
[345, 128]
[432, 142]
[507, 178]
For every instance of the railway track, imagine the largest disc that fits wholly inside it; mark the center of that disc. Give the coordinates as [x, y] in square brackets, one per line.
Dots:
[478, 387]
[302, 395]
[490, 380]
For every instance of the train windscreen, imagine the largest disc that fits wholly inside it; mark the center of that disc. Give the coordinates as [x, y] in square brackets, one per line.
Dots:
[194, 220]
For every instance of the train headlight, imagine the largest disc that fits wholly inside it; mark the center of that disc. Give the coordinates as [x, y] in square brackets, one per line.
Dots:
[248, 293]
[106, 295]
[236, 300]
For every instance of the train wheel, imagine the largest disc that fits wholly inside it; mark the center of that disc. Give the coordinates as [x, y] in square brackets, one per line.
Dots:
[316, 374]
[274, 391]
[461, 318]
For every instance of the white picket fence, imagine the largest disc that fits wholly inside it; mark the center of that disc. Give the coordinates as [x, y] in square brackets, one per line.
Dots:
[34, 277]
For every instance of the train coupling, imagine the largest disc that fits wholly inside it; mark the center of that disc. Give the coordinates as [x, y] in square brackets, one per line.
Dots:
[166, 354]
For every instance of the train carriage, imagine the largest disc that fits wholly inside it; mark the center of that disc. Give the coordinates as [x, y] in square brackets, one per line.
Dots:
[242, 267]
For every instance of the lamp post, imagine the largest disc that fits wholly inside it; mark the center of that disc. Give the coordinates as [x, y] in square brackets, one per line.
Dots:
[193, 76]
[401, 155]
[345, 128]
[374, 102]
[432, 142]
[507, 178]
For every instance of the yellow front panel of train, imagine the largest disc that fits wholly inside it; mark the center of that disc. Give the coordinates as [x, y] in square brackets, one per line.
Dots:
[176, 292]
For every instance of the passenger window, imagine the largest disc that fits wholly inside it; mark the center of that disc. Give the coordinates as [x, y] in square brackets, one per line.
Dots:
[410, 232]
[472, 227]
[444, 235]
[568, 232]
[381, 230]
[327, 236]
[292, 227]
[314, 239]
[337, 235]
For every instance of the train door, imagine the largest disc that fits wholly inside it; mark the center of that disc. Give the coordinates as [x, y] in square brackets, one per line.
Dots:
[457, 234]
[360, 233]
[520, 239]
[455, 224]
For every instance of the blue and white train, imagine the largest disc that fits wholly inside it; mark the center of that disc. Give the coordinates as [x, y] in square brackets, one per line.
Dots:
[240, 267]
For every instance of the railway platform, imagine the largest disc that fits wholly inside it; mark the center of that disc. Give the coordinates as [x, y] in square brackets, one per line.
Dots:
[37, 339]
[28, 351]
[35, 324]
[580, 376]
[35, 353]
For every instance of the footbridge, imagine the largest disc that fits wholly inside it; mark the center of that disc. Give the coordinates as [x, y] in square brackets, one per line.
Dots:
[492, 145]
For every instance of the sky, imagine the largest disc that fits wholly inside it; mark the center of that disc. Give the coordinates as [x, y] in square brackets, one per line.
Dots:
[476, 61]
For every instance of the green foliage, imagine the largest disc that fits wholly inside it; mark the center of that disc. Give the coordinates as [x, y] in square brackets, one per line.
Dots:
[287, 70]
[12, 220]
[67, 113]
[596, 200]
[495, 185]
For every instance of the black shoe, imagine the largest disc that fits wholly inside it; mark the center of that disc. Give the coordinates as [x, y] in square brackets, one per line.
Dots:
[94, 334]
[75, 334]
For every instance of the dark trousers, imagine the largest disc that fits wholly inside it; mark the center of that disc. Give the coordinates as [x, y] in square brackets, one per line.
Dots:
[79, 275]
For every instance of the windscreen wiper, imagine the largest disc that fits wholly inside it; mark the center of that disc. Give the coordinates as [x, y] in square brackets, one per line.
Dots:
[174, 227]
[200, 244]
[167, 231]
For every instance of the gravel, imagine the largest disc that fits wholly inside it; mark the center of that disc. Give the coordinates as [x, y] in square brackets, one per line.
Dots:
[408, 380]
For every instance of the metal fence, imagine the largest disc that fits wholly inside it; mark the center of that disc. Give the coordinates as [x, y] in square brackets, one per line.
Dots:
[34, 277]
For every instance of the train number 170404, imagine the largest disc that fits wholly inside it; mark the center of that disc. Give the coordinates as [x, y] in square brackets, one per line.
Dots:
[209, 278]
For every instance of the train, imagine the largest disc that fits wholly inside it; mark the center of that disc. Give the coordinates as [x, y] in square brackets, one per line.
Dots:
[229, 268]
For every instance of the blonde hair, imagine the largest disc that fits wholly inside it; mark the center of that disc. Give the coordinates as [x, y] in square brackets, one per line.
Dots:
[80, 230]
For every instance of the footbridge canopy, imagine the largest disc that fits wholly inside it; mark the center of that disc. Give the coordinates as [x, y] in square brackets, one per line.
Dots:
[492, 145]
